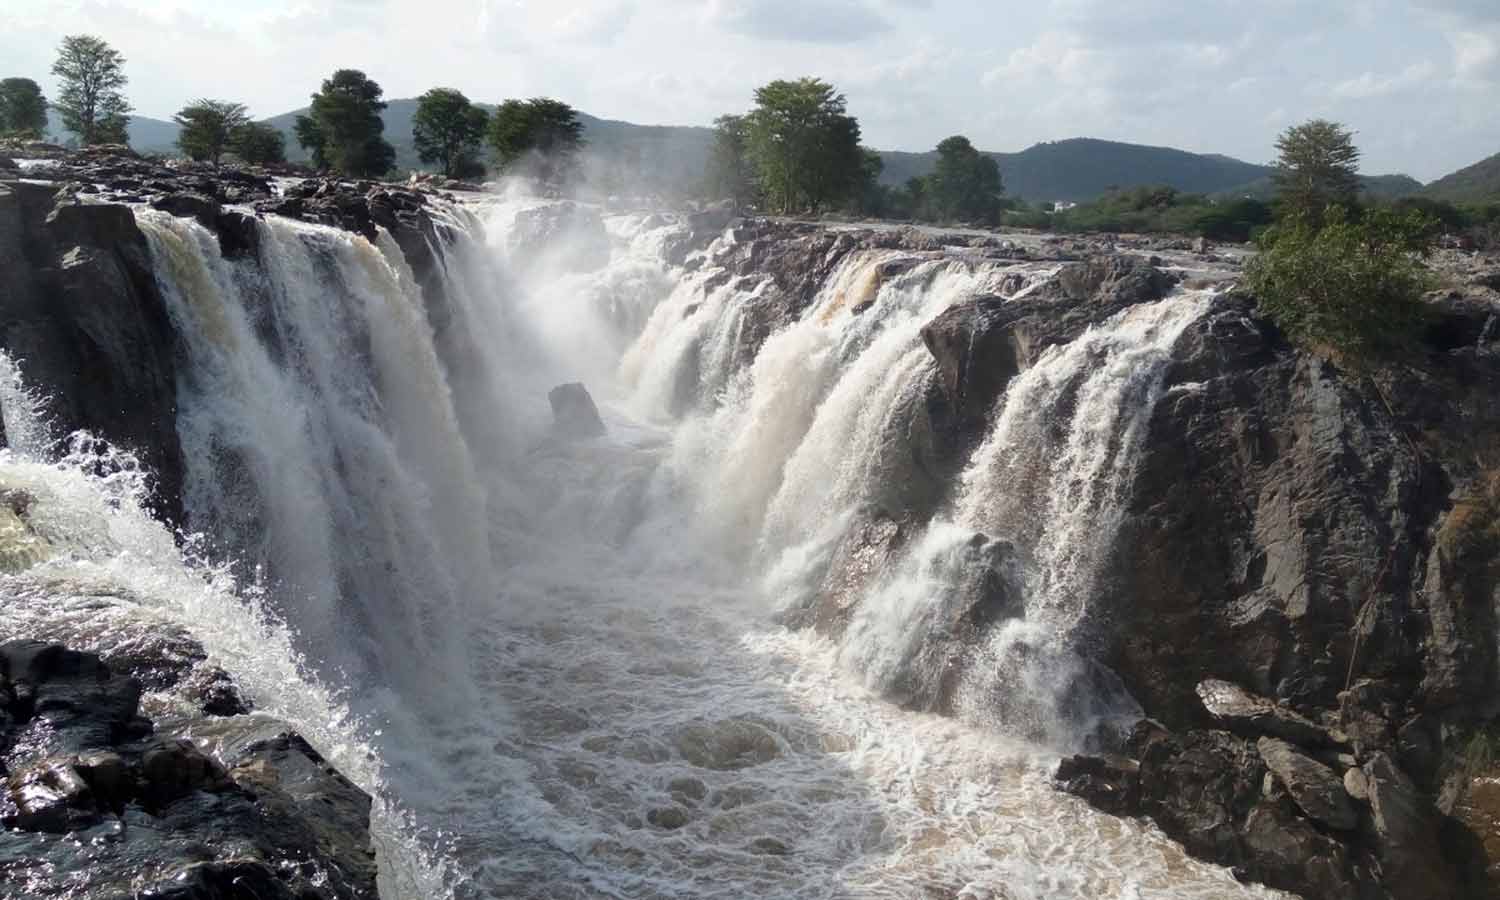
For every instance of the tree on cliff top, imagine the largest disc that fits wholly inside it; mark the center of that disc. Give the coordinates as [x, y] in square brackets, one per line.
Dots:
[258, 143]
[207, 127]
[540, 137]
[343, 128]
[965, 184]
[1353, 286]
[92, 73]
[23, 109]
[447, 129]
[804, 145]
[1318, 167]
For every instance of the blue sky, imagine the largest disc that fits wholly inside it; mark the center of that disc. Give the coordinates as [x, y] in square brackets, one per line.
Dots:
[1419, 80]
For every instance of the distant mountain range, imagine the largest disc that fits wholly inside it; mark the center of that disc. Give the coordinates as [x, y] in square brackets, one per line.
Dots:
[666, 157]
[1479, 183]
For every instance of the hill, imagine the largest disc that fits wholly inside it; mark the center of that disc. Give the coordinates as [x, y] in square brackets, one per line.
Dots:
[1479, 183]
[1081, 169]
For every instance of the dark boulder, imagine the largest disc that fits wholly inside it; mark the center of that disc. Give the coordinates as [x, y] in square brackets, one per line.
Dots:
[1317, 789]
[574, 415]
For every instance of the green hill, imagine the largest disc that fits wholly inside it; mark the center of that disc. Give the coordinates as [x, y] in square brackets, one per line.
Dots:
[1479, 183]
[1081, 169]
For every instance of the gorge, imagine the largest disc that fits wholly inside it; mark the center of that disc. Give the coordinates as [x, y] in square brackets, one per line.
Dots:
[893, 542]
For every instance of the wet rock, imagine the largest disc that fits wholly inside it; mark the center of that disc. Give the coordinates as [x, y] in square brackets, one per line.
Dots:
[769, 846]
[157, 816]
[1247, 715]
[48, 795]
[171, 770]
[574, 415]
[728, 745]
[668, 818]
[687, 789]
[1315, 787]
[1108, 783]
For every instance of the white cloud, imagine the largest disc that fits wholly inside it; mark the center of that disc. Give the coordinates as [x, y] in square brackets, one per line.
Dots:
[1370, 85]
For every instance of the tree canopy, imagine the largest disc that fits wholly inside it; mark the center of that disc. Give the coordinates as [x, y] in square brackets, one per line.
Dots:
[258, 143]
[91, 74]
[965, 184]
[803, 145]
[540, 137]
[447, 130]
[1318, 167]
[23, 109]
[343, 128]
[207, 126]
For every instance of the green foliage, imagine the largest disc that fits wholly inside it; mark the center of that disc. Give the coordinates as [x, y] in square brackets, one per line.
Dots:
[965, 184]
[343, 128]
[803, 146]
[207, 126]
[1237, 220]
[91, 74]
[23, 109]
[539, 137]
[1318, 167]
[730, 174]
[258, 143]
[1351, 285]
[447, 130]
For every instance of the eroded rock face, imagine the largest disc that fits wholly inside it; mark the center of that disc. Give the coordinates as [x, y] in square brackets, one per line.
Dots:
[152, 814]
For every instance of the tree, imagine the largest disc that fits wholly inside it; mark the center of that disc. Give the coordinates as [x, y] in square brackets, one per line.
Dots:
[730, 174]
[803, 145]
[23, 109]
[258, 143]
[1318, 167]
[91, 73]
[965, 184]
[342, 129]
[1354, 286]
[207, 126]
[539, 136]
[447, 129]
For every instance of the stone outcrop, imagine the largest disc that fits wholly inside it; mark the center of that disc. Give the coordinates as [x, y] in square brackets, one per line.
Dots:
[149, 813]
[1302, 596]
[82, 315]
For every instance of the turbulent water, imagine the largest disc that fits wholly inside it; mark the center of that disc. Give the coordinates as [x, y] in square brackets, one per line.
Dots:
[556, 663]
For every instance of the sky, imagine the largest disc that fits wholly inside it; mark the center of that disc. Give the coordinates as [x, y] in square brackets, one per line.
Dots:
[1418, 80]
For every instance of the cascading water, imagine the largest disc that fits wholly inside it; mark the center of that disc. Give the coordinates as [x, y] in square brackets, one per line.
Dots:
[559, 657]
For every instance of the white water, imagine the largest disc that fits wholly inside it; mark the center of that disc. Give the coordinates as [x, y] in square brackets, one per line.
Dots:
[538, 644]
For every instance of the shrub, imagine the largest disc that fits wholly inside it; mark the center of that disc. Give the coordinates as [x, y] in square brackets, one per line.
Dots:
[1352, 286]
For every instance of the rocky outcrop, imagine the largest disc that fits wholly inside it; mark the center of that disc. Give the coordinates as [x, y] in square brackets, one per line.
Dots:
[82, 315]
[149, 813]
[1302, 597]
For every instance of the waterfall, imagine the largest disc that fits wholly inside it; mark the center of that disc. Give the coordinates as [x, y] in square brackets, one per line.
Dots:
[556, 663]
[1051, 479]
